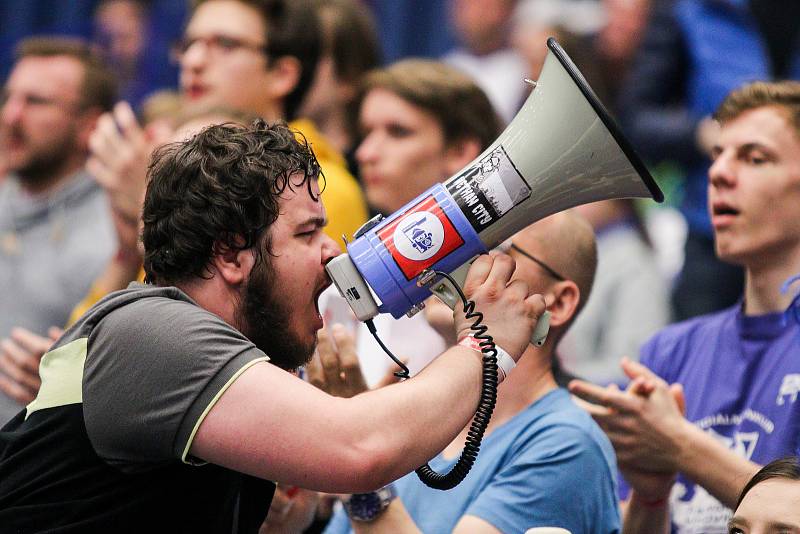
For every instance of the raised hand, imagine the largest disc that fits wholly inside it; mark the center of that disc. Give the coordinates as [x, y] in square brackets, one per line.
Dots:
[120, 154]
[334, 367]
[20, 355]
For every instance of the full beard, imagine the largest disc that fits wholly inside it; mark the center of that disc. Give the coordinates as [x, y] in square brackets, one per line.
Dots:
[39, 166]
[267, 322]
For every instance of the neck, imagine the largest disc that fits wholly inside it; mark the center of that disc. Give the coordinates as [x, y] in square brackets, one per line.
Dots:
[214, 297]
[272, 112]
[531, 379]
[763, 281]
[333, 125]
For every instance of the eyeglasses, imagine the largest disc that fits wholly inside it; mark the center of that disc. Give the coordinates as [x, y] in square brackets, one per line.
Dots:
[549, 270]
[216, 45]
[39, 101]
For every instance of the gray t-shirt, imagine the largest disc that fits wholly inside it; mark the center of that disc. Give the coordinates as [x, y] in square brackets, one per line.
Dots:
[52, 247]
[156, 363]
[123, 393]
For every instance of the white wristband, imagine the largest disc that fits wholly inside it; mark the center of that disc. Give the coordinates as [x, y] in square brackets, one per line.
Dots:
[505, 363]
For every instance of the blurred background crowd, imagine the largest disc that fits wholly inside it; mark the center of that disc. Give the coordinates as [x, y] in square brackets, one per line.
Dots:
[660, 66]
[401, 95]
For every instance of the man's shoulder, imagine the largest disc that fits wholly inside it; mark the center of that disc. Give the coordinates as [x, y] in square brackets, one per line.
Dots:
[141, 299]
[541, 473]
[696, 328]
[556, 422]
[142, 308]
[693, 343]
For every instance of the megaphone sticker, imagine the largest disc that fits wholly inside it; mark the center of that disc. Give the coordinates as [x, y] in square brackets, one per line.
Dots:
[489, 189]
[420, 238]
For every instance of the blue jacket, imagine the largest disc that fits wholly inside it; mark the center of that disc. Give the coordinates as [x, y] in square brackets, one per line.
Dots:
[693, 54]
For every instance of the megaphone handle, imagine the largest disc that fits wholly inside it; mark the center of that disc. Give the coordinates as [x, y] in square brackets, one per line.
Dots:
[444, 291]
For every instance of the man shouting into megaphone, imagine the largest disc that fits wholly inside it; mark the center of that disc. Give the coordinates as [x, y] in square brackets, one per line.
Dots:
[168, 407]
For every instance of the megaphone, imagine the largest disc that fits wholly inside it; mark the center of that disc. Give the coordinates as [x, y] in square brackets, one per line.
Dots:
[561, 150]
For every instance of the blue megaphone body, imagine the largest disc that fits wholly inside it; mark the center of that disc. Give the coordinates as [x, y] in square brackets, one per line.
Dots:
[561, 150]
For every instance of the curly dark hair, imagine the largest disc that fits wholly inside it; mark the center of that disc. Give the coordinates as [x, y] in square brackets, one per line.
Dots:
[219, 191]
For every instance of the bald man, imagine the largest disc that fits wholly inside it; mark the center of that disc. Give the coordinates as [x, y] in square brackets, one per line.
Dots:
[543, 462]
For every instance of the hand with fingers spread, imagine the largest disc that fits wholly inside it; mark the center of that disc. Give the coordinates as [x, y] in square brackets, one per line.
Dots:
[120, 153]
[509, 310]
[334, 367]
[20, 355]
[644, 423]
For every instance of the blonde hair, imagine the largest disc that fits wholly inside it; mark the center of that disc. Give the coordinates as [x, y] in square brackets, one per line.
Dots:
[783, 94]
[460, 107]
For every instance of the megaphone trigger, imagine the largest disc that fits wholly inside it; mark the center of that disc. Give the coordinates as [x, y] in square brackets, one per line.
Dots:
[444, 289]
[445, 292]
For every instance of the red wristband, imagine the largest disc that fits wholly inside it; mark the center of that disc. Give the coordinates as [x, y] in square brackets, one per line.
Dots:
[505, 364]
[654, 503]
[471, 343]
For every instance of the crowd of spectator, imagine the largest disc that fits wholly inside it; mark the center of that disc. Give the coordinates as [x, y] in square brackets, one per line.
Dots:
[683, 370]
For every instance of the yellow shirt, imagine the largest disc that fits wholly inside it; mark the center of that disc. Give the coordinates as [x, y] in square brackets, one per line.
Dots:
[342, 197]
[95, 294]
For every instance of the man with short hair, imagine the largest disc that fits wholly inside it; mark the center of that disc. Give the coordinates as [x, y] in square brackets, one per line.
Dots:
[739, 367]
[539, 447]
[167, 406]
[55, 226]
[260, 56]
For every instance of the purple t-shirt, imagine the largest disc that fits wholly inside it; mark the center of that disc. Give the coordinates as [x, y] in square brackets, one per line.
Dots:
[741, 376]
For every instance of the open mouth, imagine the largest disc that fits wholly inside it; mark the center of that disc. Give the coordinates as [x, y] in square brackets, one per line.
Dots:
[325, 285]
[195, 91]
[723, 209]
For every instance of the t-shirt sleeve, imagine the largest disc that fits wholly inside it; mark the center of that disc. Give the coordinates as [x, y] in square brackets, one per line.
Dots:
[154, 369]
[552, 483]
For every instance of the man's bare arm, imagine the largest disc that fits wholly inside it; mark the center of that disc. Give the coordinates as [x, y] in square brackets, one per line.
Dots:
[270, 424]
[275, 426]
[706, 461]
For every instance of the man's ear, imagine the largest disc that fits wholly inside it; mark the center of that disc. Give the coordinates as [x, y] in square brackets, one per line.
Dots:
[566, 297]
[233, 265]
[284, 76]
[459, 153]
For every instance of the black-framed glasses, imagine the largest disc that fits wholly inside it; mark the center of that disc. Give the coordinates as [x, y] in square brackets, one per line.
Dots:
[216, 45]
[549, 270]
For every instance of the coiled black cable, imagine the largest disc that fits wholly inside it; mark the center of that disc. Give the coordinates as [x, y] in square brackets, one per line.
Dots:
[486, 404]
[485, 408]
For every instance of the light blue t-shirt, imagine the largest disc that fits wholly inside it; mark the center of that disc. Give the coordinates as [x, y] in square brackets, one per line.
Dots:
[550, 465]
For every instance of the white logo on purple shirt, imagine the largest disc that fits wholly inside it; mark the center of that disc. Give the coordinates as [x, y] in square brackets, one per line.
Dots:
[790, 387]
